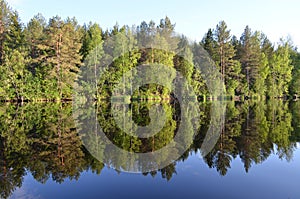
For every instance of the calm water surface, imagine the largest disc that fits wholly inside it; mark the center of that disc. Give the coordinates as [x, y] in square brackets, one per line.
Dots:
[257, 154]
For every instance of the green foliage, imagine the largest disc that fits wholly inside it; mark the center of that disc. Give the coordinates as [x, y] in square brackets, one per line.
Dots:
[40, 61]
[254, 62]
[52, 54]
[15, 76]
[219, 46]
[280, 71]
[5, 13]
[63, 45]
[92, 38]
[42, 138]
[295, 83]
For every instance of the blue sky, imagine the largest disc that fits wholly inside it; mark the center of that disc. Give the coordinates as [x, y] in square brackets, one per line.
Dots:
[276, 18]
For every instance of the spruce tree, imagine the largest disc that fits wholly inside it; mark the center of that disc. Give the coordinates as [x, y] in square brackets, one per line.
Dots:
[209, 44]
[15, 34]
[5, 20]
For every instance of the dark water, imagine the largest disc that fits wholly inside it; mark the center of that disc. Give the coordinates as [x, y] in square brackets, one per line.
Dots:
[256, 156]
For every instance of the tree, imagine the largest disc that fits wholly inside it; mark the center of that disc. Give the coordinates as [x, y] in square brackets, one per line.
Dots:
[62, 47]
[166, 31]
[92, 51]
[184, 62]
[224, 58]
[5, 13]
[209, 44]
[92, 38]
[280, 71]
[35, 37]
[16, 76]
[295, 82]
[254, 62]
[15, 34]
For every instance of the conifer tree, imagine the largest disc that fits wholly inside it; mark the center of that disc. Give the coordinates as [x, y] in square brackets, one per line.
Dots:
[5, 13]
[254, 62]
[222, 52]
[63, 44]
[281, 68]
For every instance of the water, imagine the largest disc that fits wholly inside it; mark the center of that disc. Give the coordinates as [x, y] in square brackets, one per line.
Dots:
[256, 156]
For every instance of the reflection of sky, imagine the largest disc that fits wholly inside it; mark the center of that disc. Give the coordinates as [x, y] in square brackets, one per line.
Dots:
[28, 189]
[274, 178]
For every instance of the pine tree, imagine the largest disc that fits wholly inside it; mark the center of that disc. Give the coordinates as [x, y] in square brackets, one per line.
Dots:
[253, 61]
[35, 36]
[166, 31]
[224, 58]
[62, 45]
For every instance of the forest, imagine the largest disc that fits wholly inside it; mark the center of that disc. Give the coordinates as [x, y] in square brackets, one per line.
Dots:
[41, 60]
[45, 59]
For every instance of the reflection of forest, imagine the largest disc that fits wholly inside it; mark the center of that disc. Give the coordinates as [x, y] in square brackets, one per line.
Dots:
[42, 139]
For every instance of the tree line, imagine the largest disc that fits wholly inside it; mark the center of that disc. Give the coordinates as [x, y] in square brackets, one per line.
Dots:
[42, 59]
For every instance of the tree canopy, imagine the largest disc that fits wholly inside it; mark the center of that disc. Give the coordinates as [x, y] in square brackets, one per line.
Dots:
[41, 60]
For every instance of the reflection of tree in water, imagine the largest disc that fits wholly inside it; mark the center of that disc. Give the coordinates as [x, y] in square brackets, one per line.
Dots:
[221, 155]
[140, 114]
[281, 128]
[252, 130]
[295, 110]
[61, 148]
[13, 149]
[252, 141]
[42, 139]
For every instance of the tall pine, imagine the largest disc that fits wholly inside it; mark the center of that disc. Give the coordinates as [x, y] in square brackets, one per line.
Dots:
[222, 52]
[63, 44]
